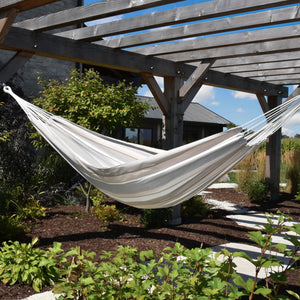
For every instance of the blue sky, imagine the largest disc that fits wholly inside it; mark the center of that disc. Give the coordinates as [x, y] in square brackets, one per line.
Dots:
[235, 106]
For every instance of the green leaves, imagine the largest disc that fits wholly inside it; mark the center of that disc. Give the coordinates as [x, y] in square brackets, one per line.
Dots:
[23, 264]
[178, 273]
[87, 101]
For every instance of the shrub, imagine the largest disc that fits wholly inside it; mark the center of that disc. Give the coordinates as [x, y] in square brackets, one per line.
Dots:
[257, 191]
[292, 161]
[107, 213]
[32, 210]
[21, 263]
[11, 227]
[195, 207]
[156, 218]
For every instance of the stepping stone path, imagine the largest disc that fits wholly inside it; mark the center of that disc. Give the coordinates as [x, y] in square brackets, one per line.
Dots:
[254, 221]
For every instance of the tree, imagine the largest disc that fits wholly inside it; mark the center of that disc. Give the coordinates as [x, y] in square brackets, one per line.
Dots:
[87, 101]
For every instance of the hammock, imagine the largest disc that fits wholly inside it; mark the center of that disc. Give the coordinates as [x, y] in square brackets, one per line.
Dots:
[146, 177]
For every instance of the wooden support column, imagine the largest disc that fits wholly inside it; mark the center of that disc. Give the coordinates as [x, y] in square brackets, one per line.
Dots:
[173, 127]
[173, 101]
[273, 155]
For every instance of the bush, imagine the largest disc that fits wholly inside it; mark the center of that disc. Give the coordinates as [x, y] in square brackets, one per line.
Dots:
[292, 162]
[32, 210]
[195, 207]
[257, 191]
[156, 218]
[107, 213]
[11, 227]
[21, 263]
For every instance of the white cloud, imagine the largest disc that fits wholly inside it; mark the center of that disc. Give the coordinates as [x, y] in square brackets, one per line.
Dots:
[294, 121]
[240, 110]
[243, 95]
[205, 95]
[288, 131]
[215, 103]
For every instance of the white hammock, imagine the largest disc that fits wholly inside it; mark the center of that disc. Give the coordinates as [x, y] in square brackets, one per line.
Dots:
[146, 177]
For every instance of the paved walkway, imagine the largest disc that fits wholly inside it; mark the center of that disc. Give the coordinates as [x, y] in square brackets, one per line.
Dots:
[243, 217]
[253, 221]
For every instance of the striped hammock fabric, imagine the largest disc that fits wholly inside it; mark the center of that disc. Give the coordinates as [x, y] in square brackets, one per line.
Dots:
[146, 177]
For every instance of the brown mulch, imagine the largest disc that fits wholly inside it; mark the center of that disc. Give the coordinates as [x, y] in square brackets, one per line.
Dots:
[71, 226]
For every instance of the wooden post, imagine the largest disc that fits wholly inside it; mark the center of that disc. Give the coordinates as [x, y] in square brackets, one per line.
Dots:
[173, 127]
[173, 101]
[273, 155]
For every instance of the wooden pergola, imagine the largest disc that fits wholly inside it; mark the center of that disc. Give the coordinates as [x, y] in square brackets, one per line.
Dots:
[233, 44]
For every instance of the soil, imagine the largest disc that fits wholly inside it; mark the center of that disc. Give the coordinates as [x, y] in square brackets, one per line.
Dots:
[71, 226]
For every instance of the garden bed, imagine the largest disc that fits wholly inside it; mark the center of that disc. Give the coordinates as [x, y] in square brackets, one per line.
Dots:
[71, 226]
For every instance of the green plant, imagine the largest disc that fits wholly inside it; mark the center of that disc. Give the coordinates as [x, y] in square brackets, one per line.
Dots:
[11, 227]
[195, 207]
[107, 213]
[31, 210]
[292, 160]
[264, 241]
[156, 218]
[257, 191]
[104, 212]
[178, 273]
[23, 264]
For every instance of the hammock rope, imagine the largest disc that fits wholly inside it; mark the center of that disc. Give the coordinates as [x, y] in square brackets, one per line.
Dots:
[145, 177]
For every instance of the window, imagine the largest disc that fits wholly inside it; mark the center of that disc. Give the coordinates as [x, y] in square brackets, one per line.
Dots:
[141, 136]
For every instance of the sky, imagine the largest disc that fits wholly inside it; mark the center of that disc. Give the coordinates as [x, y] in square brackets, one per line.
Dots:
[235, 106]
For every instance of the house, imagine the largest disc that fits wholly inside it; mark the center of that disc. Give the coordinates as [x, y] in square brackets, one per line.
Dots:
[198, 122]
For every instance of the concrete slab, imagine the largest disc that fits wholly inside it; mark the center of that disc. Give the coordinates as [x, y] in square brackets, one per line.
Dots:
[43, 296]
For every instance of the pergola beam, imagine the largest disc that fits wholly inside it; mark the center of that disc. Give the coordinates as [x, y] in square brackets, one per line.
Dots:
[190, 88]
[270, 72]
[257, 59]
[62, 48]
[263, 102]
[242, 70]
[156, 91]
[242, 84]
[264, 18]
[278, 77]
[23, 4]
[286, 82]
[235, 39]
[6, 20]
[268, 47]
[85, 13]
[200, 11]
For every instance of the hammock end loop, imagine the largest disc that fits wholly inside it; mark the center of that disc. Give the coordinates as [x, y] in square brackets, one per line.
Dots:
[5, 87]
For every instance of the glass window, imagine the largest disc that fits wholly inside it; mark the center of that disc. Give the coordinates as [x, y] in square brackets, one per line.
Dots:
[131, 135]
[141, 136]
[145, 136]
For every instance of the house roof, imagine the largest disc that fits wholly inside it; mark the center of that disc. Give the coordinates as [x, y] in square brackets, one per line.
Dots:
[194, 113]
